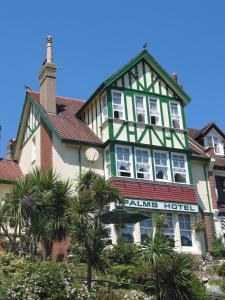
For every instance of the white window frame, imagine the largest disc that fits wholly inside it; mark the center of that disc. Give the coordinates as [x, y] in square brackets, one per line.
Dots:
[122, 105]
[186, 230]
[158, 111]
[104, 108]
[220, 144]
[107, 164]
[179, 116]
[144, 107]
[149, 163]
[170, 231]
[185, 165]
[168, 166]
[130, 161]
[147, 229]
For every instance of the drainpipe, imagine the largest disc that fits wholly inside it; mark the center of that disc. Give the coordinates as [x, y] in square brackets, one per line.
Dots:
[207, 186]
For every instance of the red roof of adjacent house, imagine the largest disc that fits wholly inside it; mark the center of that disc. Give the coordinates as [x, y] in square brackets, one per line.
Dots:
[10, 170]
[65, 122]
[155, 191]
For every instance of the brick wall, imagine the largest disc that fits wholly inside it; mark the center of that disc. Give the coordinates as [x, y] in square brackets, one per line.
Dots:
[212, 185]
[209, 229]
[46, 147]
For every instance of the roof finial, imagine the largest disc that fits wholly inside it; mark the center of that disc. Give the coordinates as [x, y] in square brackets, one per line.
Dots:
[49, 49]
[145, 46]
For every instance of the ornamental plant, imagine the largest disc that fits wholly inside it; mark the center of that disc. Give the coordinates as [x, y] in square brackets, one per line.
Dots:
[46, 280]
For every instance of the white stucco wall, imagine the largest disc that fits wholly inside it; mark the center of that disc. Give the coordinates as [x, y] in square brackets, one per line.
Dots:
[200, 182]
[25, 160]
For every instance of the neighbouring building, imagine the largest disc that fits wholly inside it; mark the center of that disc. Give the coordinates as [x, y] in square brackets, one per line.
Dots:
[212, 139]
[133, 131]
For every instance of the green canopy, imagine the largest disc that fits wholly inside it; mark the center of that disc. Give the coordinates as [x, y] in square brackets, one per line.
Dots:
[122, 216]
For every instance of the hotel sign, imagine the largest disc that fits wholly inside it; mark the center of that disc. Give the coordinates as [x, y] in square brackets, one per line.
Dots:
[148, 204]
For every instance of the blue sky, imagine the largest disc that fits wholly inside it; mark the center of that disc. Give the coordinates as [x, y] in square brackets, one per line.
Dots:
[92, 39]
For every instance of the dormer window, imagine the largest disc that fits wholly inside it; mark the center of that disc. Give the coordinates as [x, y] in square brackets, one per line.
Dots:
[154, 111]
[216, 143]
[117, 105]
[175, 115]
[140, 110]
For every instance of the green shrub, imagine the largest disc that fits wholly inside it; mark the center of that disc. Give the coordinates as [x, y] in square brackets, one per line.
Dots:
[221, 270]
[46, 280]
[218, 249]
[122, 272]
[11, 265]
[136, 295]
[123, 253]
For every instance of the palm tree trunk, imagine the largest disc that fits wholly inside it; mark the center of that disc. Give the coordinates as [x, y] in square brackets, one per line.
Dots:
[89, 274]
[48, 245]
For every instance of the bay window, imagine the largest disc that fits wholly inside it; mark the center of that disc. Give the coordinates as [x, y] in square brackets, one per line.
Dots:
[161, 166]
[118, 109]
[185, 230]
[175, 114]
[154, 111]
[123, 161]
[140, 109]
[169, 229]
[179, 168]
[143, 167]
[127, 233]
[146, 228]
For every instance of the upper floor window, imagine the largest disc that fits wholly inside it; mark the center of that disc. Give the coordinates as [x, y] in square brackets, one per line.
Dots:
[143, 166]
[179, 168]
[216, 143]
[118, 109]
[140, 109]
[154, 111]
[123, 161]
[104, 107]
[161, 166]
[175, 114]
[185, 230]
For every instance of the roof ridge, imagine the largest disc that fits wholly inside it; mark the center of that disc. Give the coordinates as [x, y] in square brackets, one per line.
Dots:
[60, 97]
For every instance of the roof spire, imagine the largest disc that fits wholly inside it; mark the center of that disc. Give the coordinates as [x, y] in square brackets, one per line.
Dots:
[49, 49]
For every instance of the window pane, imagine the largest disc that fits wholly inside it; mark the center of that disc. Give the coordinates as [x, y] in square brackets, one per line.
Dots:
[127, 233]
[185, 230]
[142, 164]
[123, 162]
[161, 168]
[179, 169]
[146, 227]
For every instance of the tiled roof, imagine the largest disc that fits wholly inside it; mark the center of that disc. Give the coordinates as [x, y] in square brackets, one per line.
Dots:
[155, 191]
[10, 170]
[65, 122]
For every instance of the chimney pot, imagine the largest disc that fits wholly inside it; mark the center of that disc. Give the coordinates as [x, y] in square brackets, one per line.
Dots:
[47, 81]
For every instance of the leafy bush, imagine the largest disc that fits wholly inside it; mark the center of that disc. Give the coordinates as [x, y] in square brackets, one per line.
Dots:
[46, 280]
[11, 264]
[218, 249]
[122, 272]
[123, 253]
[221, 270]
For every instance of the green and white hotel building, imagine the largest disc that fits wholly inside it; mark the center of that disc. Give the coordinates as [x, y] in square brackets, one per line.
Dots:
[133, 131]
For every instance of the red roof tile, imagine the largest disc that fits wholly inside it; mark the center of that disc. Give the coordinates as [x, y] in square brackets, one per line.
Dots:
[65, 122]
[155, 191]
[10, 170]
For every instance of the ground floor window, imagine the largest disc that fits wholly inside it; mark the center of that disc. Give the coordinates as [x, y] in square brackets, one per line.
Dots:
[169, 228]
[127, 233]
[146, 229]
[185, 230]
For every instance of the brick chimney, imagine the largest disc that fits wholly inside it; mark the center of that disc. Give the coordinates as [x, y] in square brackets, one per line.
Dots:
[10, 148]
[47, 81]
[174, 77]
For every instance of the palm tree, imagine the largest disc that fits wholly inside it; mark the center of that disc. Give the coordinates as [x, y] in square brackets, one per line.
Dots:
[93, 194]
[38, 207]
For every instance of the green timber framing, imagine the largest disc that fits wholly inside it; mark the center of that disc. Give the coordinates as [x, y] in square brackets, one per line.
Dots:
[161, 73]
